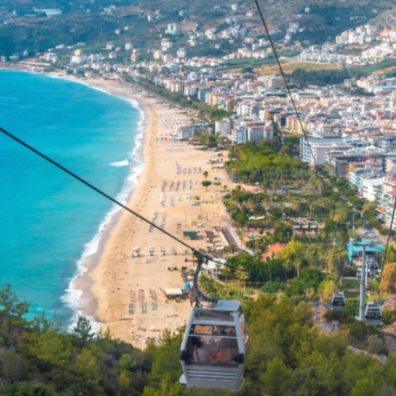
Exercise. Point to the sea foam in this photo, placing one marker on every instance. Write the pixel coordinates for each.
(119, 164)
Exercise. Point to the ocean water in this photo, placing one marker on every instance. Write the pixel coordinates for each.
(48, 221)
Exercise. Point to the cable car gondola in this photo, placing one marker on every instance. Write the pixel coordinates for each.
(214, 345)
(338, 301)
(373, 314)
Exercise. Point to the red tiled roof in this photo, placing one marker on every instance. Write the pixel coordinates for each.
(273, 249)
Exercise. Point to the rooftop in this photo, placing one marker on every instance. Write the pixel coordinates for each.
(230, 305)
(273, 249)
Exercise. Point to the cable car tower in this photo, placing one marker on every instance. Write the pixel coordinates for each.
(215, 342)
(371, 313)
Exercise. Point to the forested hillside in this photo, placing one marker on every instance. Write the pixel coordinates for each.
(288, 356)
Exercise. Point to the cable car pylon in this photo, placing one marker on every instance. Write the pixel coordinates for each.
(371, 313)
(195, 290)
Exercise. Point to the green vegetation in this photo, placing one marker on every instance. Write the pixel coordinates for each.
(289, 190)
(89, 23)
(261, 163)
(205, 112)
(211, 113)
(391, 73)
(303, 78)
(37, 359)
(48, 33)
(326, 19)
(316, 75)
(388, 279)
(310, 212)
(208, 139)
(292, 272)
(303, 74)
(366, 70)
(292, 66)
(287, 356)
(208, 48)
(247, 64)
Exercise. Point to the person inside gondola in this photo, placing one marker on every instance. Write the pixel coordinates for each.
(199, 354)
(225, 347)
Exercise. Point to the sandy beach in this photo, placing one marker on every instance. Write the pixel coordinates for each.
(124, 287)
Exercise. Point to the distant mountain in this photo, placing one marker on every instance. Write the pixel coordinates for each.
(25, 27)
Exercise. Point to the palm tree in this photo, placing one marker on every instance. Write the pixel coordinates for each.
(243, 276)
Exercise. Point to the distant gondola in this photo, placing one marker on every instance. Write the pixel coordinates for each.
(338, 301)
(373, 314)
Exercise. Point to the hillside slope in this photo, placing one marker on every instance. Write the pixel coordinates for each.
(24, 28)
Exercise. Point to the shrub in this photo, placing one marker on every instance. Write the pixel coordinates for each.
(376, 345)
(351, 307)
(349, 272)
(272, 287)
(388, 317)
(341, 316)
(357, 331)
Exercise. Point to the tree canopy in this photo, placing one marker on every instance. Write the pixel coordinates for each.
(287, 356)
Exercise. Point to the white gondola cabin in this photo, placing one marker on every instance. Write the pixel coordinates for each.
(214, 346)
(338, 301)
(373, 314)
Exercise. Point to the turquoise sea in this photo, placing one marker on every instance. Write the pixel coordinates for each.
(47, 220)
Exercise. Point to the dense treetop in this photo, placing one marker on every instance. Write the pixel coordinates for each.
(287, 356)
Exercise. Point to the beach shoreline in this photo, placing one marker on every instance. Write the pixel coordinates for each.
(121, 287)
(97, 276)
(129, 288)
